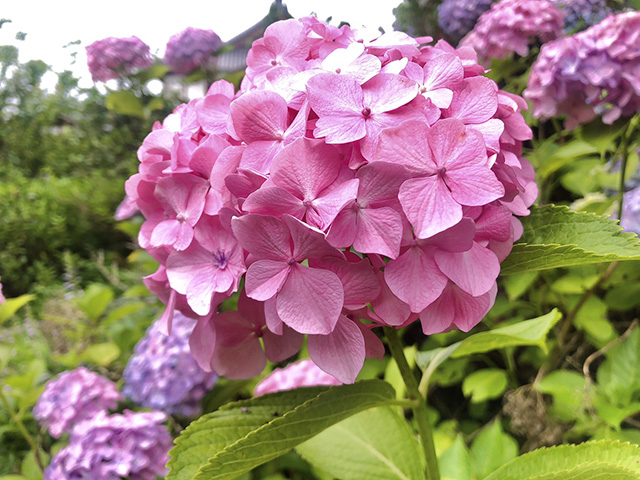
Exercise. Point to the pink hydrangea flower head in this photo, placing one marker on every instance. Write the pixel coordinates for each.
(511, 26)
(72, 397)
(589, 74)
(134, 445)
(356, 180)
(303, 373)
(190, 48)
(163, 375)
(113, 57)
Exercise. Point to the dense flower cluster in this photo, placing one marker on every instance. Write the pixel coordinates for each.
(108, 447)
(512, 26)
(458, 17)
(303, 373)
(112, 57)
(74, 396)
(357, 180)
(591, 73)
(190, 48)
(163, 375)
(580, 14)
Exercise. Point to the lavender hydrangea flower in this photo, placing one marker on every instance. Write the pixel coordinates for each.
(72, 397)
(591, 73)
(457, 17)
(581, 14)
(512, 26)
(304, 373)
(190, 48)
(630, 219)
(163, 375)
(107, 447)
(112, 57)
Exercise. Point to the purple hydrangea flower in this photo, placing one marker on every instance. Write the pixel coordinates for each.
(190, 48)
(581, 14)
(591, 73)
(304, 373)
(72, 397)
(112, 57)
(511, 26)
(163, 375)
(457, 17)
(631, 211)
(133, 445)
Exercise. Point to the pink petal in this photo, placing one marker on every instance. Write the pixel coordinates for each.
(379, 231)
(491, 131)
(474, 186)
(374, 348)
(343, 229)
(329, 203)
(443, 71)
(280, 347)
(474, 271)
(386, 92)
(259, 115)
(475, 100)
(263, 236)
(240, 362)
(429, 205)
(202, 343)
(389, 308)
(166, 233)
(458, 238)
(202, 287)
(310, 300)
(340, 353)
(308, 242)
(406, 145)
(380, 183)
(358, 279)
(274, 201)
(415, 278)
(264, 278)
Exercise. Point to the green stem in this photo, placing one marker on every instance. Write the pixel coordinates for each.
(419, 407)
(23, 430)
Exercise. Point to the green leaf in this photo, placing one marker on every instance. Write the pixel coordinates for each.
(516, 285)
(565, 155)
(619, 375)
(603, 459)
(567, 390)
(101, 353)
(123, 311)
(557, 237)
(12, 305)
(95, 300)
(455, 463)
(243, 435)
(491, 449)
(376, 443)
(485, 384)
(124, 102)
(623, 297)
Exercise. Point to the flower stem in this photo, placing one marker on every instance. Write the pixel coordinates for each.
(419, 408)
(23, 430)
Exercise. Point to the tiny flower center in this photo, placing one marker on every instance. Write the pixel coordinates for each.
(221, 257)
(441, 171)
(423, 89)
(291, 261)
(338, 70)
(274, 63)
(366, 111)
(181, 217)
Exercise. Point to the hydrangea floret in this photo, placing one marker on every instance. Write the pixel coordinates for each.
(581, 14)
(72, 397)
(512, 26)
(191, 48)
(456, 18)
(630, 218)
(589, 74)
(113, 57)
(163, 375)
(133, 445)
(303, 373)
(357, 180)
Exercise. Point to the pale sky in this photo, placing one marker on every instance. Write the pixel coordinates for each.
(51, 24)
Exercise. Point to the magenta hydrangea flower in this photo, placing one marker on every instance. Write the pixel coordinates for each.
(512, 26)
(163, 375)
(303, 373)
(456, 18)
(190, 48)
(112, 57)
(74, 396)
(356, 180)
(133, 446)
(592, 73)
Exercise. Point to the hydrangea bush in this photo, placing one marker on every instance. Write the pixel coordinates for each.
(132, 445)
(458, 17)
(580, 14)
(113, 57)
(162, 374)
(72, 397)
(351, 169)
(592, 73)
(191, 48)
(513, 26)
